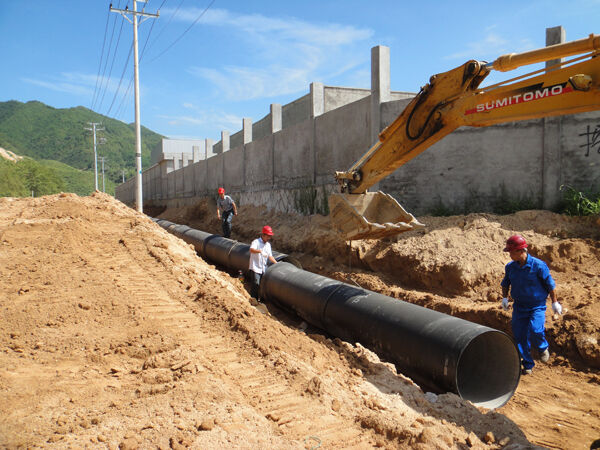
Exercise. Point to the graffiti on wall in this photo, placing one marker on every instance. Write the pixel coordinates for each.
(593, 140)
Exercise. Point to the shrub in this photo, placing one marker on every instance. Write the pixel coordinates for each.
(577, 203)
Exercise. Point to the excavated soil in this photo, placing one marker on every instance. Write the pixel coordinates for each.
(115, 334)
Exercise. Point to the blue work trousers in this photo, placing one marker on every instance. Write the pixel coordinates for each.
(529, 330)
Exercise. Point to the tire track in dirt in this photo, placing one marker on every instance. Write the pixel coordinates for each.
(281, 402)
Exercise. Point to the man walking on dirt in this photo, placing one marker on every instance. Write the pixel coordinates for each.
(226, 209)
(530, 284)
(260, 252)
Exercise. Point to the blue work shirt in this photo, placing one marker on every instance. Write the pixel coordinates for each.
(529, 284)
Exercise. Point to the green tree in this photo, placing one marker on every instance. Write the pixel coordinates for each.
(11, 183)
(38, 179)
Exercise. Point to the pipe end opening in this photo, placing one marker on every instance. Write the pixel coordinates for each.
(489, 370)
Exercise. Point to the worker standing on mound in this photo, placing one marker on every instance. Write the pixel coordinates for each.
(530, 284)
(226, 209)
(260, 253)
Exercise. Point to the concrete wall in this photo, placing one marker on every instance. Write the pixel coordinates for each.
(262, 128)
(258, 170)
(237, 139)
(300, 145)
(472, 166)
(173, 149)
(341, 137)
(296, 111)
(578, 157)
(294, 156)
(233, 169)
(336, 97)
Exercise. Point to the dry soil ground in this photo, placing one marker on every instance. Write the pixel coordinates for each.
(113, 333)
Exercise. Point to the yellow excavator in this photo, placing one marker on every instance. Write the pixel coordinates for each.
(453, 99)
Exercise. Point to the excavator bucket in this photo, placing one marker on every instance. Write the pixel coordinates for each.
(371, 215)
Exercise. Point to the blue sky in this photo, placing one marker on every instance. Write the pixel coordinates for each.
(207, 64)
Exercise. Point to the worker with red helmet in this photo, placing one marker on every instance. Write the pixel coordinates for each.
(226, 209)
(530, 283)
(260, 254)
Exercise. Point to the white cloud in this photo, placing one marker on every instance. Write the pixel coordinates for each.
(289, 53)
(491, 46)
(82, 85)
(71, 83)
(247, 83)
(214, 119)
(331, 34)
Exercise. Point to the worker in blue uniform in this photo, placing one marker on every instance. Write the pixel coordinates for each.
(530, 283)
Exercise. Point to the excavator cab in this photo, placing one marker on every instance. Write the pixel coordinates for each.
(453, 99)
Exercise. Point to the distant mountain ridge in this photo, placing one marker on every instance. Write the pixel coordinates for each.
(45, 133)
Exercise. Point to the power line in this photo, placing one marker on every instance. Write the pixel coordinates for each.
(150, 32)
(169, 21)
(119, 108)
(112, 64)
(120, 81)
(118, 111)
(101, 56)
(112, 35)
(183, 34)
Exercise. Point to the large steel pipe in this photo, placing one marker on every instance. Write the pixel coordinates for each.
(219, 250)
(440, 352)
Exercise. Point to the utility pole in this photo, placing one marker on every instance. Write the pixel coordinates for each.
(94, 129)
(123, 175)
(138, 131)
(102, 159)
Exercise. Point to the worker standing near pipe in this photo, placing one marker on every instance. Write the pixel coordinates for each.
(226, 209)
(530, 284)
(260, 253)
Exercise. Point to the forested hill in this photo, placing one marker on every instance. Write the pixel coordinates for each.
(41, 132)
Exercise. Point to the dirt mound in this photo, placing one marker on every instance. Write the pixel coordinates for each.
(455, 266)
(114, 333)
(459, 255)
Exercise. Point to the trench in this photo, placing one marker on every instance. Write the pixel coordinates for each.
(440, 352)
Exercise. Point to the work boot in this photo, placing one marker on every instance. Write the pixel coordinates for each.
(526, 371)
(545, 356)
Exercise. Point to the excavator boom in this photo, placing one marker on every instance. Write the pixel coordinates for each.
(453, 99)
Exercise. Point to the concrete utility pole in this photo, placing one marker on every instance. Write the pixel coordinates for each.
(94, 129)
(138, 131)
(102, 159)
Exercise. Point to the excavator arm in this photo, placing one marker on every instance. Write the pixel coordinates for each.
(453, 99)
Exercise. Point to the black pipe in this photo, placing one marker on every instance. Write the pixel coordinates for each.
(438, 351)
(197, 239)
(217, 249)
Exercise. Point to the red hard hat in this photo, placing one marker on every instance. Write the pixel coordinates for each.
(267, 230)
(221, 190)
(515, 242)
